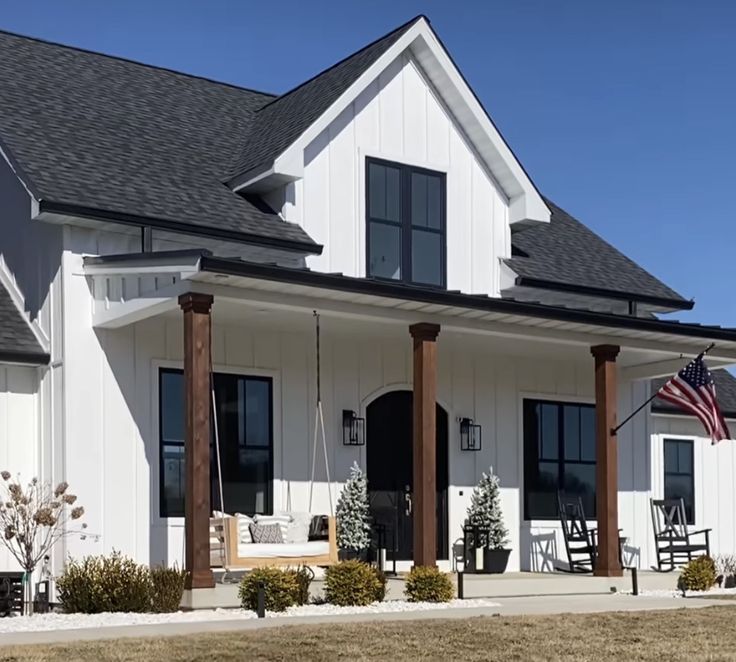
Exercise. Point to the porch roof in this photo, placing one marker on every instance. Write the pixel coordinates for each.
(288, 287)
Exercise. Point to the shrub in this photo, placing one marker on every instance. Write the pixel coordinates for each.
(304, 577)
(698, 575)
(281, 588)
(167, 588)
(353, 583)
(104, 583)
(428, 584)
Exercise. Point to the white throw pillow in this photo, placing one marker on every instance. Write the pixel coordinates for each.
(283, 520)
(298, 529)
(244, 522)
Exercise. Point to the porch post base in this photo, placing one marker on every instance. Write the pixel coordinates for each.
(608, 572)
(199, 579)
(204, 598)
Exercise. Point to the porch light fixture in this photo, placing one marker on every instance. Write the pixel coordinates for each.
(353, 429)
(470, 435)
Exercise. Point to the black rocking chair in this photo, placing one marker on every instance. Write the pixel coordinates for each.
(580, 542)
(674, 543)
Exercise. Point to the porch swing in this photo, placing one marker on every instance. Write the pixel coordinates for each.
(226, 535)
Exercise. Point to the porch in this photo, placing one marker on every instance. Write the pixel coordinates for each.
(475, 357)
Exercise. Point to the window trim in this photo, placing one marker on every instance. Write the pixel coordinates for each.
(691, 443)
(155, 475)
(405, 224)
(560, 400)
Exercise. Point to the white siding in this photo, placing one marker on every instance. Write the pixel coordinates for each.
(20, 451)
(398, 118)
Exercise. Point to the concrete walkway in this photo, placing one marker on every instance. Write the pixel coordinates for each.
(560, 604)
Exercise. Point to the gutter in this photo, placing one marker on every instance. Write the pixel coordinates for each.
(24, 358)
(678, 304)
(456, 299)
(210, 232)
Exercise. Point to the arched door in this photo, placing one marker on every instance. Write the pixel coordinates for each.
(389, 423)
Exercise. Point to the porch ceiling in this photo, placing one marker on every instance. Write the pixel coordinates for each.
(279, 295)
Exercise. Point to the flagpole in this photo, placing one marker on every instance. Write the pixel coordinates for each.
(655, 394)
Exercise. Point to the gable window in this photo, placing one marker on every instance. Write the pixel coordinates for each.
(679, 476)
(244, 425)
(559, 456)
(405, 223)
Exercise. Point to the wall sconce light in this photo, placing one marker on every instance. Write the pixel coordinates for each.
(470, 435)
(353, 429)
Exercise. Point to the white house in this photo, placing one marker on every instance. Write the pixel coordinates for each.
(157, 226)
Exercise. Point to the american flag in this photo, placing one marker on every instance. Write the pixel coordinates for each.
(693, 390)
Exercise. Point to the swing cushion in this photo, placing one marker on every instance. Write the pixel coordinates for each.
(244, 522)
(266, 533)
(298, 529)
(283, 520)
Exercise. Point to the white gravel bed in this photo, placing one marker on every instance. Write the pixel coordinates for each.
(45, 622)
(673, 593)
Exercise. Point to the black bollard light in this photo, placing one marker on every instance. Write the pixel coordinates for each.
(261, 611)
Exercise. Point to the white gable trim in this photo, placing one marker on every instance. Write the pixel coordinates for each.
(8, 282)
(526, 204)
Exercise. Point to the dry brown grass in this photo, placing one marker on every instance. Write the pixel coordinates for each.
(684, 634)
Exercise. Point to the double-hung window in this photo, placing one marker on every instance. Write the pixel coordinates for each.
(559, 456)
(406, 223)
(679, 481)
(245, 431)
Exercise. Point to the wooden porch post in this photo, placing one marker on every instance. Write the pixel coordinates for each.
(607, 559)
(196, 308)
(425, 442)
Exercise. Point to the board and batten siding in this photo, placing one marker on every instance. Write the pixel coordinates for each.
(20, 447)
(399, 118)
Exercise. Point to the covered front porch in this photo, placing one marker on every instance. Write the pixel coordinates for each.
(458, 356)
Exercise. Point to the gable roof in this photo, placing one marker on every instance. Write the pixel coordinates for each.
(567, 255)
(91, 133)
(280, 122)
(18, 343)
(725, 391)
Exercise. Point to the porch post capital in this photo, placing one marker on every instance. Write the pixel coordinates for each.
(424, 331)
(196, 302)
(605, 352)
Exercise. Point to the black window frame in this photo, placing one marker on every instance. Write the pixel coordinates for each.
(214, 485)
(678, 442)
(405, 222)
(529, 462)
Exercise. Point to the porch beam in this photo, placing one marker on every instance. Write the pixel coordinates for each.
(424, 443)
(197, 366)
(607, 562)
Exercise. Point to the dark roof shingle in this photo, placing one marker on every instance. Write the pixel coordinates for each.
(18, 344)
(566, 252)
(280, 122)
(105, 133)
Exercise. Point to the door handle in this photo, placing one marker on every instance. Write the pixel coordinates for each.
(407, 499)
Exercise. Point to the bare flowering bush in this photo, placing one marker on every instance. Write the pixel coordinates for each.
(35, 517)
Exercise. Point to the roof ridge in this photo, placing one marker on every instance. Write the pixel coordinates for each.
(128, 60)
(403, 26)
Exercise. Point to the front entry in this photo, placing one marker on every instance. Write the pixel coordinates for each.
(389, 468)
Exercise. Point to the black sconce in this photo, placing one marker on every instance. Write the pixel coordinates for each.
(353, 429)
(470, 435)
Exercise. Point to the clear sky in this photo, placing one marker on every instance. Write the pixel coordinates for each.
(623, 112)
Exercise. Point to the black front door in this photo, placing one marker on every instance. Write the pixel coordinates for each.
(390, 473)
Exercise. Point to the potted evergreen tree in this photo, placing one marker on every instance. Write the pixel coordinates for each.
(353, 517)
(485, 513)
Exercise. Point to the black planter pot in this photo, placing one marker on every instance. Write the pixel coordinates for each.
(353, 555)
(495, 560)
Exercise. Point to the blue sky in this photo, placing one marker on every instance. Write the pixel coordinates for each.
(622, 112)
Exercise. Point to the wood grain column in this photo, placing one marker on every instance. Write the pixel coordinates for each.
(607, 559)
(197, 340)
(425, 443)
